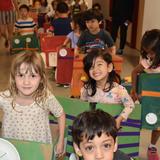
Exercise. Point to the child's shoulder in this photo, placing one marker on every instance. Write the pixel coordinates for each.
(26, 20)
(5, 94)
(121, 156)
(117, 86)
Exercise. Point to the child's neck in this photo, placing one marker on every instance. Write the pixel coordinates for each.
(24, 18)
(63, 15)
(24, 100)
(77, 31)
(102, 85)
(95, 32)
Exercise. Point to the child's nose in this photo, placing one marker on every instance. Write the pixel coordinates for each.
(99, 154)
(26, 80)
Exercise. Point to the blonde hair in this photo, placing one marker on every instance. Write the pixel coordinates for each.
(35, 61)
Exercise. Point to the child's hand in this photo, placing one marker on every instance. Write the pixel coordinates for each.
(134, 95)
(59, 149)
(118, 121)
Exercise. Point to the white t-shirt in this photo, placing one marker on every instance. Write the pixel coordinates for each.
(28, 122)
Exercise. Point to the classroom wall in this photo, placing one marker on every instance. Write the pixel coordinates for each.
(105, 6)
(148, 17)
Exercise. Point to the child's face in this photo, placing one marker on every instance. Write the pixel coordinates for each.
(37, 4)
(72, 25)
(27, 80)
(150, 53)
(100, 70)
(24, 13)
(100, 148)
(93, 25)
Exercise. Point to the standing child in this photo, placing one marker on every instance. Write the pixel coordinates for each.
(95, 136)
(28, 101)
(150, 63)
(61, 24)
(76, 25)
(25, 25)
(94, 36)
(101, 86)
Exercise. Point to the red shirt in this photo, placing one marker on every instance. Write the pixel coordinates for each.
(6, 5)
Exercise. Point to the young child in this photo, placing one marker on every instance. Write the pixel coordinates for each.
(25, 24)
(95, 136)
(77, 27)
(149, 63)
(94, 37)
(78, 6)
(28, 101)
(102, 86)
(61, 24)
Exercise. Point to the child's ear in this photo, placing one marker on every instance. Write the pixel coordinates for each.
(77, 150)
(116, 145)
(110, 67)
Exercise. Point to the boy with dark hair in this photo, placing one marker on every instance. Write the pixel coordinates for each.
(61, 24)
(95, 136)
(94, 36)
(25, 25)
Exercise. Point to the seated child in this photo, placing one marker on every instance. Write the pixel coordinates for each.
(102, 85)
(95, 136)
(25, 24)
(94, 36)
(61, 24)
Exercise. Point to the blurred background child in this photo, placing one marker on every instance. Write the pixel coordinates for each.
(25, 25)
(77, 27)
(61, 24)
(94, 36)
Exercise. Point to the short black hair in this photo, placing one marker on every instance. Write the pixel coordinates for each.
(91, 123)
(93, 14)
(24, 6)
(62, 7)
(79, 19)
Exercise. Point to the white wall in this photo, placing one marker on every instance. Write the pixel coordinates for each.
(148, 18)
(151, 17)
(105, 6)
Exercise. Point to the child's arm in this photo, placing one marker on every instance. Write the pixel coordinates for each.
(60, 143)
(112, 50)
(139, 68)
(16, 6)
(67, 40)
(128, 104)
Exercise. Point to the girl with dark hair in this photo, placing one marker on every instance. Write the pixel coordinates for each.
(102, 83)
(150, 63)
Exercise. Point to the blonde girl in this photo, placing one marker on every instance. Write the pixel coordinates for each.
(28, 101)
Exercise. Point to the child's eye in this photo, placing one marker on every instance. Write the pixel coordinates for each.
(107, 146)
(99, 64)
(20, 75)
(89, 148)
(33, 75)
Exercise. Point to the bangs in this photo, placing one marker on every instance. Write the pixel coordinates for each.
(29, 67)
